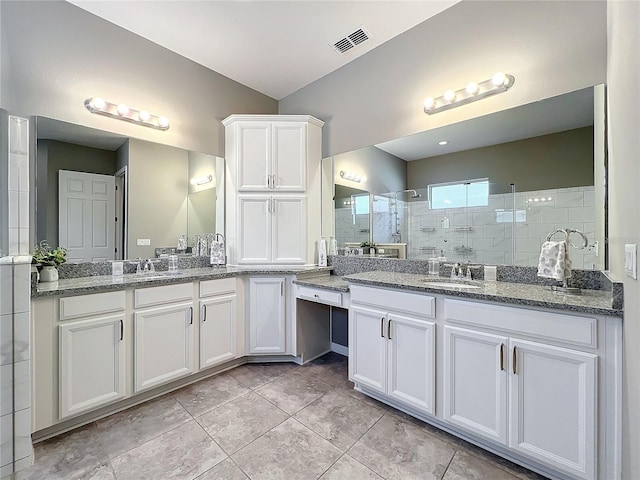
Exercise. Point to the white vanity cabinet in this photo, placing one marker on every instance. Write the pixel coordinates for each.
(267, 315)
(273, 188)
(218, 322)
(91, 352)
(392, 345)
(273, 229)
(163, 334)
(537, 396)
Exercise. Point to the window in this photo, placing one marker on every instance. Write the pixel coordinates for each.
(360, 204)
(472, 193)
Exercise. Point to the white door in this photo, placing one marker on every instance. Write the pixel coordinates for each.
(553, 407)
(86, 209)
(411, 364)
(289, 230)
(91, 364)
(254, 156)
(267, 315)
(368, 347)
(254, 229)
(217, 330)
(162, 347)
(289, 153)
(475, 382)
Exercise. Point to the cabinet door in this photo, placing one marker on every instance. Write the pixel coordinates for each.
(267, 315)
(217, 330)
(368, 347)
(289, 156)
(254, 230)
(411, 364)
(553, 407)
(475, 382)
(289, 230)
(91, 364)
(254, 156)
(162, 348)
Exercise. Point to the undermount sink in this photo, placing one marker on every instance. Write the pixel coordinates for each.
(450, 283)
(157, 275)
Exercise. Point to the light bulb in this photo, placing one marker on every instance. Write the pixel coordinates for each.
(144, 116)
(163, 122)
(450, 96)
(122, 109)
(498, 79)
(429, 103)
(472, 88)
(98, 103)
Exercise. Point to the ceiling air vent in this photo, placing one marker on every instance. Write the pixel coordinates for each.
(351, 40)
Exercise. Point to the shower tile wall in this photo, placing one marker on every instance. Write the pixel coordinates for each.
(485, 234)
(351, 228)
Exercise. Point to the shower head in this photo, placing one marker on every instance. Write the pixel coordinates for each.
(414, 194)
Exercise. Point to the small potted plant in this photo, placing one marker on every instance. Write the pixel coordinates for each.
(49, 259)
(368, 248)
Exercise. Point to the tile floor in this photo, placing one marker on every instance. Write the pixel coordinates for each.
(277, 421)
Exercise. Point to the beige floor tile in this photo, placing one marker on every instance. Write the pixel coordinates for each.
(210, 393)
(182, 453)
(349, 468)
(132, 427)
(71, 456)
(339, 418)
(293, 392)
(225, 470)
(467, 467)
(239, 422)
(401, 450)
(289, 451)
(254, 375)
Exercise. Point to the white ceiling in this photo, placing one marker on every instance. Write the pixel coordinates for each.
(274, 47)
(556, 114)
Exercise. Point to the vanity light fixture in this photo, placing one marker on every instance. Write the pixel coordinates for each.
(202, 180)
(354, 177)
(500, 82)
(123, 112)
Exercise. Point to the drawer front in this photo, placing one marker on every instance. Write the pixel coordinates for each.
(144, 297)
(95, 304)
(222, 286)
(397, 300)
(572, 329)
(320, 295)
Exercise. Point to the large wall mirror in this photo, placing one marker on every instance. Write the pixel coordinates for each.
(105, 196)
(487, 190)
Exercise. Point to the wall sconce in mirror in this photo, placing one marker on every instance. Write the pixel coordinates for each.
(202, 180)
(500, 82)
(354, 177)
(121, 111)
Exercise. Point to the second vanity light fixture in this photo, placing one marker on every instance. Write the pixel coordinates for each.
(354, 177)
(123, 112)
(500, 82)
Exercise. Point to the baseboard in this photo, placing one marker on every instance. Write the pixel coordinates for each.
(341, 349)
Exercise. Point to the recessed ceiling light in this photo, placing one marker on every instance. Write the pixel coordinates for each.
(443, 142)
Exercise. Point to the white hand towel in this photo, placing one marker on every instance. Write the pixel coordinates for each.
(554, 261)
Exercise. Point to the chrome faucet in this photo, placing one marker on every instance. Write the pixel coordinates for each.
(455, 270)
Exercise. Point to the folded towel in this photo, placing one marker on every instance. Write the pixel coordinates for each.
(554, 261)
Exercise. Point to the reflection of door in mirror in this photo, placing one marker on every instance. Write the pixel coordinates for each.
(351, 215)
(86, 207)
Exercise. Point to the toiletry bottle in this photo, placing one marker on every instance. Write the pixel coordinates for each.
(322, 253)
(442, 257)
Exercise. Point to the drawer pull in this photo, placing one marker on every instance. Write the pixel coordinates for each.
(502, 357)
(190, 315)
(382, 327)
(204, 313)
(121, 330)
(389, 329)
(515, 361)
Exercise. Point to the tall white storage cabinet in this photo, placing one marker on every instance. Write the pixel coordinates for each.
(273, 183)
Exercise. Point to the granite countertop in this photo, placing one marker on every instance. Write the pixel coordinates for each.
(327, 282)
(105, 283)
(591, 301)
